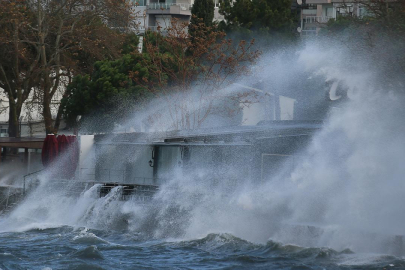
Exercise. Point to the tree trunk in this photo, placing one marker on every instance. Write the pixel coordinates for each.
(13, 127)
(47, 113)
(58, 119)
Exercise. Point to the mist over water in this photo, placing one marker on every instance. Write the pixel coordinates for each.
(349, 181)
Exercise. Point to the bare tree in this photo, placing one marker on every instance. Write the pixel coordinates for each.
(47, 42)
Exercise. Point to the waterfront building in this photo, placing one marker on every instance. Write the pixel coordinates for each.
(230, 153)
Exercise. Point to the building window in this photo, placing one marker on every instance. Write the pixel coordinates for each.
(344, 10)
(362, 11)
(140, 3)
(329, 12)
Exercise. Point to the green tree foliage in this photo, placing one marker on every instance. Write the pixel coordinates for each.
(108, 94)
(269, 22)
(201, 12)
(130, 43)
(115, 88)
(157, 39)
(271, 15)
(186, 75)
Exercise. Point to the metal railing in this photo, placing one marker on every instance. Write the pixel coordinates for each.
(183, 6)
(308, 33)
(130, 191)
(140, 188)
(316, 19)
(104, 175)
(112, 176)
(10, 200)
(27, 177)
(158, 6)
(4, 204)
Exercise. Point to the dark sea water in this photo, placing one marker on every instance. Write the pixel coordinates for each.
(80, 248)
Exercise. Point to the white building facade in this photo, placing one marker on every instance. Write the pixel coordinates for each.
(156, 15)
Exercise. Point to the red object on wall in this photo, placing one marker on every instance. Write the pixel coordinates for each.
(63, 144)
(49, 150)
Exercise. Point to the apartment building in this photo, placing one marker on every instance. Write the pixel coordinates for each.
(157, 14)
(316, 13)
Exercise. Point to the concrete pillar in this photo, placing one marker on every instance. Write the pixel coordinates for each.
(4, 152)
(26, 161)
(319, 10)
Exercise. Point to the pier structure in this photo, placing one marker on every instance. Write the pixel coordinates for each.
(20, 143)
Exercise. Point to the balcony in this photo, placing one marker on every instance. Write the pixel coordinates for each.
(319, 1)
(169, 8)
(316, 19)
(310, 25)
(164, 30)
(158, 6)
(308, 33)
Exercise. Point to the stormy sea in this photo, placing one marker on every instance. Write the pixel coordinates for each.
(67, 247)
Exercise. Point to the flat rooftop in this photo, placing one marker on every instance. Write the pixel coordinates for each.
(232, 134)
